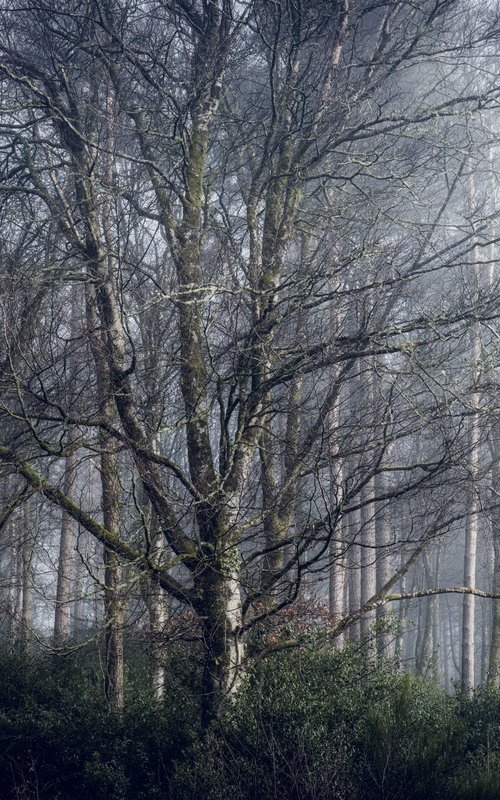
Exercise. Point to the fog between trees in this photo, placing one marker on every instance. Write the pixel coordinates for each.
(249, 331)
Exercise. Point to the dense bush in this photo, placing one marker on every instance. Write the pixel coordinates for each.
(307, 725)
(478, 777)
(412, 742)
(57, 740)
(316, 726)
(290, 734)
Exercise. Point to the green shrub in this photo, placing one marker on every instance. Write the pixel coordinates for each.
(479, 776)
(58, 741)
(412, 742)
(292, 734)
(310, 724)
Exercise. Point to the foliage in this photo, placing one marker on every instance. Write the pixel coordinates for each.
(313, 725)
(58, 741)
(309, 724)
(479, 776)
(412, 741)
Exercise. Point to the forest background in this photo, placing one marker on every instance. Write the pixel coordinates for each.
(249, 435)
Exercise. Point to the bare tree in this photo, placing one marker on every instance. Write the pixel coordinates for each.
(184, 156)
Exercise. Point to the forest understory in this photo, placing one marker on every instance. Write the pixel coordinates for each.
(249, 399)
(313, 724)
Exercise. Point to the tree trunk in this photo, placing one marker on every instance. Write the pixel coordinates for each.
(12, 627)
(157, 607)
(368, 557)
(113, 602)
(383, 539)
(156, 601)
(402, 638)
(354, 572)
(494, 658)
(337, 577)
(424, 638)
(62, 618)
(436, 612)
(220, 612)
(27, 580)
(445, 655)
(472, 509)
(81, 612)
(368, 536)
(113, 620)
(470, 556)
(110, 504)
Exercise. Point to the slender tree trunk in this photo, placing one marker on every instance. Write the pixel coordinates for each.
(485, 641)
(436, 611)
(62, 618)
(113, 617)
(81, 612)
(156, 601)
(12, 628)
(355, 556)
(354, 560)
(368, 535)
(385, 639)
(445, 655)
(424, 638)
(368, 556)
(337, 577)
(472, 518)
(470, 556)
(494, 657)
(27, 580)
(154, 596)
(110, 503)
(402, 613)
(157, 606)
(113, 601)
(106, 334)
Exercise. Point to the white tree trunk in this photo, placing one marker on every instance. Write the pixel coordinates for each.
(471, 538)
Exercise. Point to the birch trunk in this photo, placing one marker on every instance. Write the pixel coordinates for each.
(472, 508)
(471, 538)
(424, 637)
(81, 611)
(337, 578)
(156, 601)
(224, 650)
